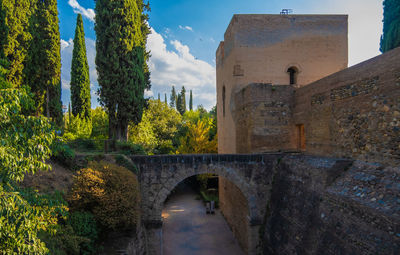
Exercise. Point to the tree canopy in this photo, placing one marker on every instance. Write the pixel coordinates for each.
(121, 28)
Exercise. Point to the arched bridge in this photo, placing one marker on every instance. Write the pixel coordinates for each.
(251, 174)
(295, 203)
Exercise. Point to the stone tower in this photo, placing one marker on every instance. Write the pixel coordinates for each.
(289, 50)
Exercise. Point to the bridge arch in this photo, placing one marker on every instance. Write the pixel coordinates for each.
(159, 175)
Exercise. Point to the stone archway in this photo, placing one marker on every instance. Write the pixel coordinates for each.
(159, 175)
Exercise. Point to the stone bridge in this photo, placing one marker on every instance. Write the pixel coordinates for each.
(297, 204)
(252, 174)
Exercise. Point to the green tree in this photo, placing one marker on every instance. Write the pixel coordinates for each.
(183, 98)
(391, 25)
(99, 123)
(173, 98)
(165, 99)
(80, 81)
(191, 101)
(24, 147)
(43, 67)
(159, 125)
(159, 98)
(14, 36)
(179, 107)
(122, 29)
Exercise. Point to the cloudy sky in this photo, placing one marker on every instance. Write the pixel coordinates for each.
(186, 33)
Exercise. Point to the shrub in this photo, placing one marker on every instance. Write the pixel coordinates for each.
(84, 225)
(109, 192)
(130, 148)
(62, 153)
(122, 161)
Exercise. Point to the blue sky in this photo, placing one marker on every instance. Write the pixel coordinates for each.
(186, 34)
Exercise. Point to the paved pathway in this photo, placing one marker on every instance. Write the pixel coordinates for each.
(188, 230)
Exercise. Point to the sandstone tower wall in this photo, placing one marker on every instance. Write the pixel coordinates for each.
(263, 48)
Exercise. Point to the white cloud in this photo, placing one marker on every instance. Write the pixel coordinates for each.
(179, 67)
(88, 13)
(148, 93)
(186, 28)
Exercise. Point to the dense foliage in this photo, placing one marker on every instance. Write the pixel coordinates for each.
(391, 25)
(43, 67)
(173, 98)
(24, 147)
(191, 101)
(110, 193)
(157, 129)
(14, 37)
(80, 82)
(122, 29)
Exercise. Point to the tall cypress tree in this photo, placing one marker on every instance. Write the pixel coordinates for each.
(165, 99)
(179, 105)
(173, 98)
(14, 37)
(43, 67)
(121, 29)
(159, 98)
(191, 101)
(391, 25)
(183, 98)
(80, 82)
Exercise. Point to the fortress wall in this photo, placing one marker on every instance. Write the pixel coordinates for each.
(261, 48)
(354, 113)
(233, 205)
(264, 120)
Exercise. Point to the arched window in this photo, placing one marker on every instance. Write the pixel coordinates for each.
(223, 100)
(292, 74)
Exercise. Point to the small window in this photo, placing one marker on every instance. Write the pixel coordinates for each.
(301, 138)
(223, 100)
(292, 71)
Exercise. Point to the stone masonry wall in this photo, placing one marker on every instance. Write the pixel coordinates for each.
(264, 120)
(354, 113)
(233, 206)
(326, 206)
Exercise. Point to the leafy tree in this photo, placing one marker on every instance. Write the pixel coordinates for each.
(24, 147)
(43, 68)
(191, 101)
(159, 125)
(77, 127)
(391, 25)
(99, 123)
(122, 29)
(80, 82)
(197, 139)
(173, 98)
(14, 37)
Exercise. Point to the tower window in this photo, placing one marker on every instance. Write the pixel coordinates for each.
(292, 75)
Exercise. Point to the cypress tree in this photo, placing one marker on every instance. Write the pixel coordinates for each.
(121, 29)
(165, 99)
(80, 82)
(391, 25)
(43, 67)
(14, 37)
(173, 98)
(183, 98)
(191, 101)
(179, 104)
(159, 99)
